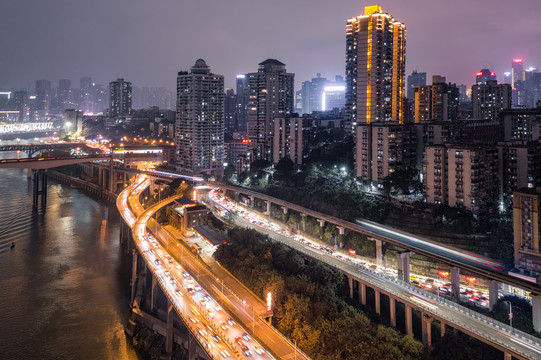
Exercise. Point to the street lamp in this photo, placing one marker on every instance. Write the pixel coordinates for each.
(68, 124)
(510, 313)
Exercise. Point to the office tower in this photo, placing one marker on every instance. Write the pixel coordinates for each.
(64, 94)
(490, 99)
(230, 118)
(43, 96)
(531, 86)
(271, 92)
(100, 98)
(312, 94)
(507, 77)
(522, 124)
(375, 68)
(20, 104)
(526, 226)
(516, 71)
(438, 101)
(120, 98)
(242, 85)
(86, 103)
(199, 127)
(481, 77)
(334, 96)
(521, 165)
(242, 104)
(414, 80)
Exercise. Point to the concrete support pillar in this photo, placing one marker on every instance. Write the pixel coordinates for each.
(377, 301)
(362, 293)
(427, 330)
(303, 222)
(455, 283)
(169, 333)
(379, 252)
(409, 320)
(252, 201)
(493, 286)
(268, 207)
(341, 230)
(133, 276)
(154, 294)
(442, 331)
(507, 356)
(403, 261)
(91, 170)
(111, 175)
(29, 173)
(192, 354)
(536, 312)
(392, 311)
(321, 222)
(350, 282)
(284, 209)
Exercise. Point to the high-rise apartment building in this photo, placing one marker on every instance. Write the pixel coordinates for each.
(526, 225)
(462, 175)
(271, 94)
(375, 68)
(438, 101)
(288, 140)
(200, 121)
(490, 99)
(43, 95)
(522, 124)
(120, 98)
(64, 100)
(481, 77)
(516, 71)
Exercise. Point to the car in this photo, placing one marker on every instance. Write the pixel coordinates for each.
(246, 337)
(230, 321)
(170, 260)
(178, 267)
(239, 341)
(212, 315)
(245, 350)
(215, 337)
(197, 288)
(258, 350)
(202, 331)
(224, 326)
(172, 280)
(185, 274)
(191, 291)
(194, 320)
(223, 352)
(208, 298)
(202, 301)
(178, 292)
(157, 262)
(217, 307)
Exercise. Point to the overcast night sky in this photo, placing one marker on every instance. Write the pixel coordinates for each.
(148, 42)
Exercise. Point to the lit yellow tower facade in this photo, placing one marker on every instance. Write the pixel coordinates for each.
(375, 68)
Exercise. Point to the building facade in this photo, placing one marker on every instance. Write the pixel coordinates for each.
(288, 140)
(199, 126)
(375, 69)
(120, 98)
(490, 99)
(526, 221)
(438, 101)
(271, 94)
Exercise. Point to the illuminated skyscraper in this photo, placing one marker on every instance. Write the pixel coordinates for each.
(200, 120)
(484, 75)
(375, 68)
(120, 96)
(516, 72)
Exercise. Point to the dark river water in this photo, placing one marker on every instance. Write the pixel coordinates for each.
(64, 287)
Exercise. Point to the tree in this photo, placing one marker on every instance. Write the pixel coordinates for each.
(229, 171)
(284, 170)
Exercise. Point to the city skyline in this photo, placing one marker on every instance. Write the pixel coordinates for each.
(101, 40)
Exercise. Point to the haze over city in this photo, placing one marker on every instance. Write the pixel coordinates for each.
(149, 42)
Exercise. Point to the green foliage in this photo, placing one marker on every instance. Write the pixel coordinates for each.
(284, 170)
(403, 182)
(310, 302)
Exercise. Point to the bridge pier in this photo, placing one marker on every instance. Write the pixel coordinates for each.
(427, 330)
(409, 320)
(536, 311)
(350, 282)
(192, 352)
(493, 286)
(39, 182)
(442, 329)
(154, 294)
(169, 332)
(377, 301)
(362, 293)
(133, 276)
(268, 207)
(252, 201)
(403, 262)
(392, 311)
(303, 222)
(455, 283)
(341, 230)
(379, 252)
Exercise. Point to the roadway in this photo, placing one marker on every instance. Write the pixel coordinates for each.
(207, 280)
(486, 329)
(442, 253)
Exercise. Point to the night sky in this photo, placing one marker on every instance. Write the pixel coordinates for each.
(148, 41)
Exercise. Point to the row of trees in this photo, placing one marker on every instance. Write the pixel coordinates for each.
(310, 302)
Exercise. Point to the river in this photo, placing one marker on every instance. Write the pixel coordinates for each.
(64, 287)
